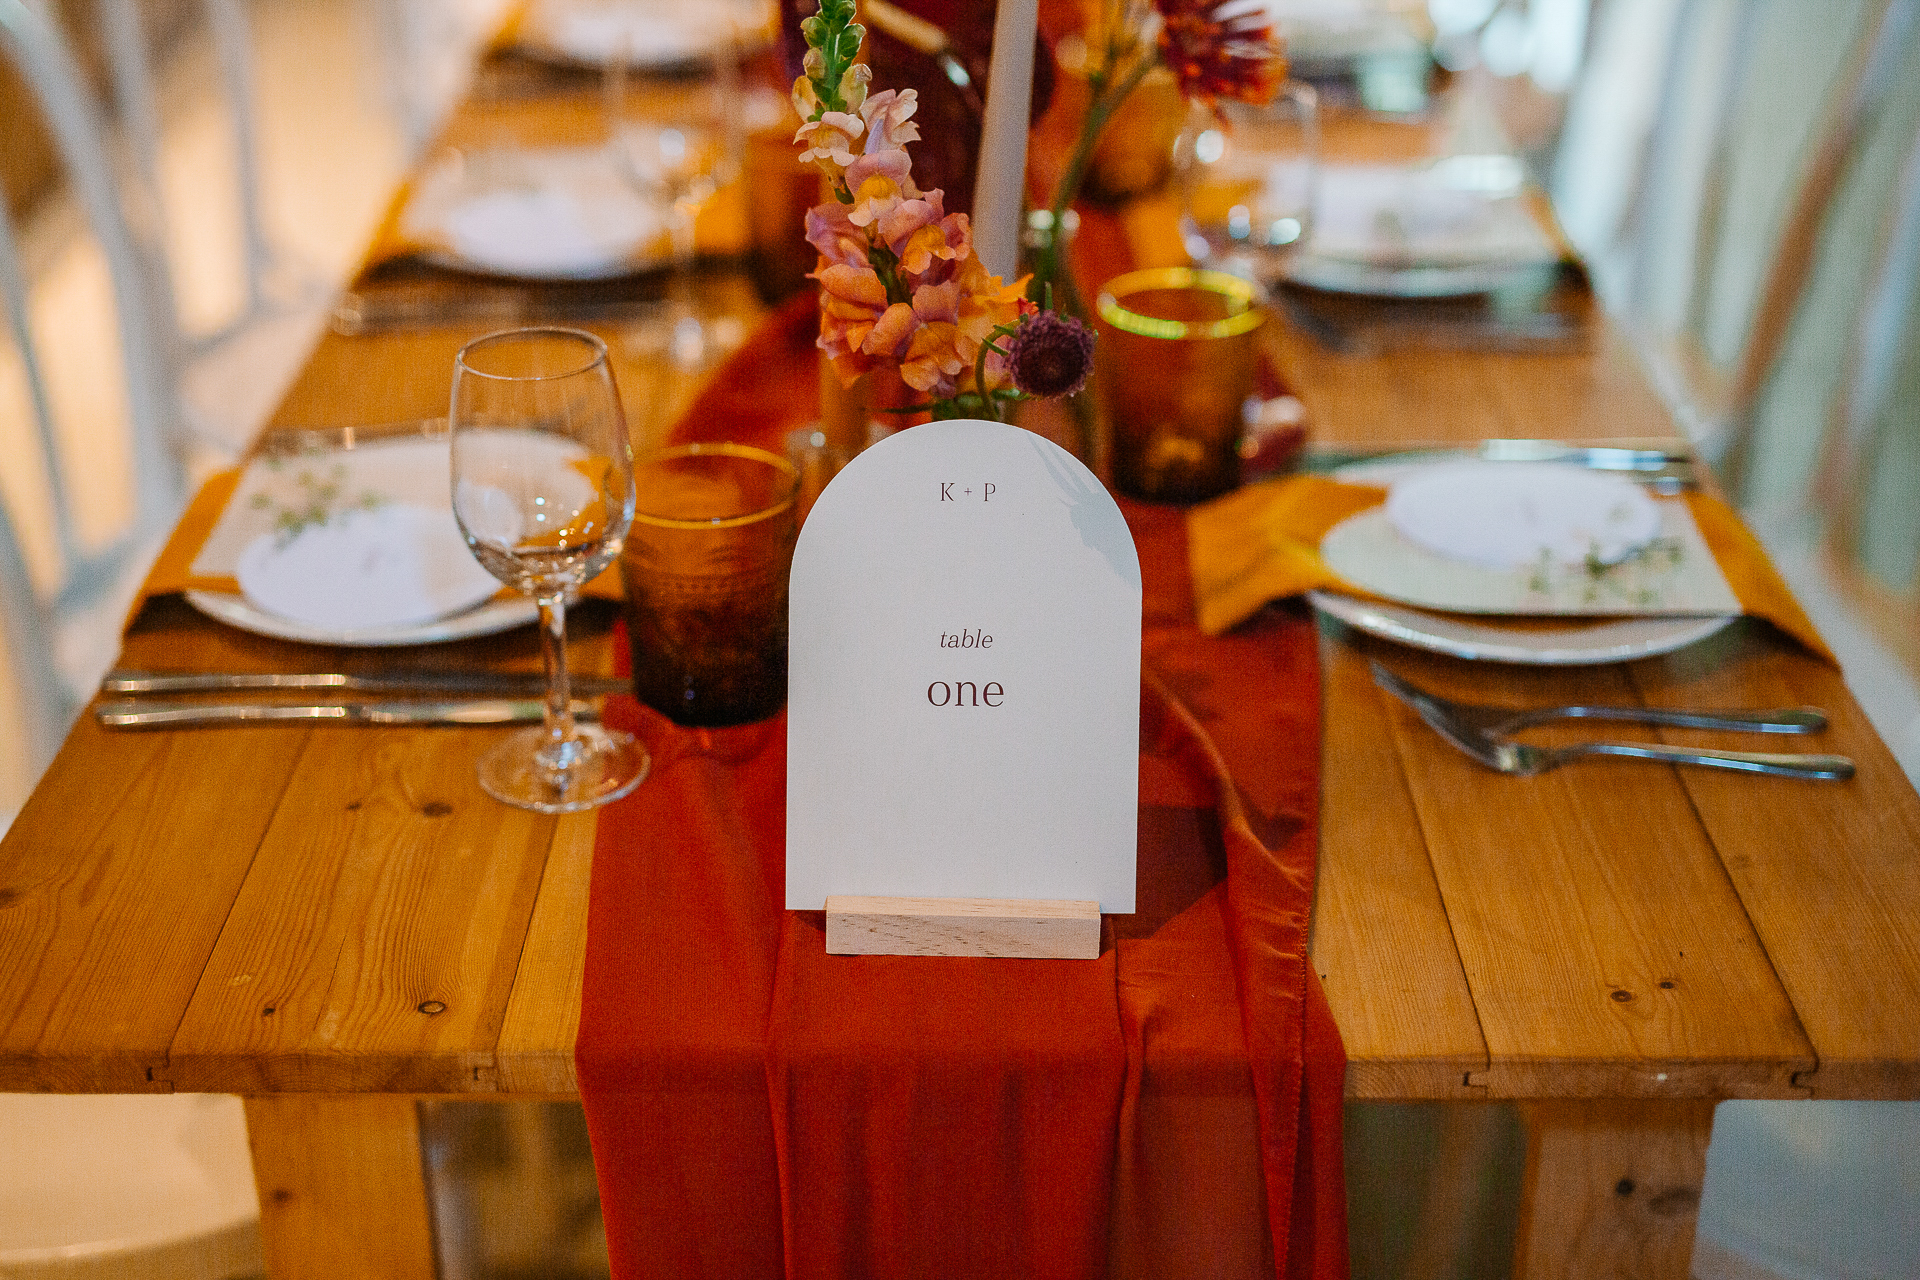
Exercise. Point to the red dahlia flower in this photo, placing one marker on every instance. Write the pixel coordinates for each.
(1221, 50)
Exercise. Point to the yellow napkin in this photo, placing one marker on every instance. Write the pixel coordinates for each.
(172, 570)
(1262, 543)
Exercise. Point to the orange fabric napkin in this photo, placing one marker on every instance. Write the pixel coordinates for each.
(1262, 543)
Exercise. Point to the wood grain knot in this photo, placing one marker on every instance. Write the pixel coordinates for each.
(1622, 996)
(436, 808)
(8, 897)
(1675, 1202)
(1624, 1187)
(280, 1195)
(267, 1012)
(432, 1007)
(1666, 986)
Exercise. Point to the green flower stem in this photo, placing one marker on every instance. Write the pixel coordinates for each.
(990, 402)
(1099, 112)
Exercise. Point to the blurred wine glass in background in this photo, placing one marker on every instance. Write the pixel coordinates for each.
(1249, 180)
(680, 158)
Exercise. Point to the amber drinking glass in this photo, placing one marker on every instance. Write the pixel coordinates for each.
(1175, 364)
(706, 574)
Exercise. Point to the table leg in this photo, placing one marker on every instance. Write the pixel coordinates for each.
(342, 1191)
(1612, 1188)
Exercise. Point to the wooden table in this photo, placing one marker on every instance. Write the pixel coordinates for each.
(335, 922)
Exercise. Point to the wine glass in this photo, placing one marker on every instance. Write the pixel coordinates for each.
(680, 160)
(543, 491)
(1250, 177)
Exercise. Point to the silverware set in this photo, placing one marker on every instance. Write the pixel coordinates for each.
(141, 698)
(1482, 734)
(152, 700)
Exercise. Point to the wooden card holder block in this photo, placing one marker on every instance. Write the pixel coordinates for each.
(1025, 927)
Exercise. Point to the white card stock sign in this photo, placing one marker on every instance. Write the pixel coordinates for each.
(964, 677)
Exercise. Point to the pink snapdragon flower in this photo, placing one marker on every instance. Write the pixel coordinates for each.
(899, 284)
(919, 231)
(888, 116)
(833, 234)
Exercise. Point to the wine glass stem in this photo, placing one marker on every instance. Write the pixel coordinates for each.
(563, 739)
(686, 214)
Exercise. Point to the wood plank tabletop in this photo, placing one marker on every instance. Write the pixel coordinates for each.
(330, 910)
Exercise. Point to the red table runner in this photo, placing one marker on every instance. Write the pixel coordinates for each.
(759, 1108)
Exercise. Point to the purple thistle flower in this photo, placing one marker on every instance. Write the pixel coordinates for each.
(1050, 355)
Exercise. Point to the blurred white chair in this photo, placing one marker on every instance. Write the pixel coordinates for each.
(427, 48)
(138, 1187)
(1811, 1191)
(1697, 193)
(85, 580)
(1833, 482)
(1601, 157)
(229, 376)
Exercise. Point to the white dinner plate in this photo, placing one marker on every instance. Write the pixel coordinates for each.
(1372, 279)
(394, 565)
(534, 213)
(483, 620)
(1537, 641)
(586, 33)
(1448, 229)
(1573, 645)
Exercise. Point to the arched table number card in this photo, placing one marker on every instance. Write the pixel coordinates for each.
(964, 700)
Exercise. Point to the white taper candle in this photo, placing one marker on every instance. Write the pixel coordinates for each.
(1001, 178)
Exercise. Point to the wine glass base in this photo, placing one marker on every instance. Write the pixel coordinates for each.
(612, 764)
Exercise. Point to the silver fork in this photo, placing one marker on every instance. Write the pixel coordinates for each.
(1501, 721)
(1523, 760)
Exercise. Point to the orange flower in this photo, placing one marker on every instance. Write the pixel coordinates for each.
(852, 302)
(932, 362)
(891, 332)
(985, 305)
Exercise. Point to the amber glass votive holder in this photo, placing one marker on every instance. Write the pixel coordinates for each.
(1175, 363)
(705, 567)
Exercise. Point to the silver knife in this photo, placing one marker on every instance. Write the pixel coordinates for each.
(529, 684)
(1599, 457)
(186, 715)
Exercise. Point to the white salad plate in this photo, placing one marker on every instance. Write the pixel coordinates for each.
(352, 546)
(1681, 596)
